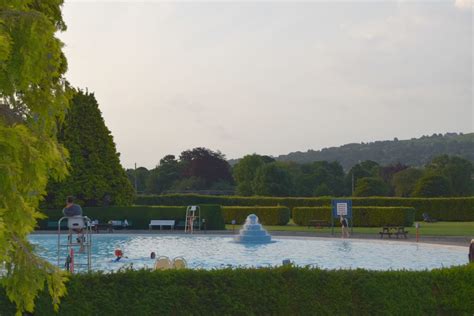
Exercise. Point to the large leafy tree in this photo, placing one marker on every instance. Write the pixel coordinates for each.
(96, 176)
(432, 185)
(404, 181)
(272, 179)
(202, 163)
(371, 186)
(244, 173)
(163, 176)
(139, 177)
(364, 169)
(457, 170)
(319, 178)
(33, 98)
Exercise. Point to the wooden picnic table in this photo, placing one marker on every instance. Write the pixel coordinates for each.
(393, 230)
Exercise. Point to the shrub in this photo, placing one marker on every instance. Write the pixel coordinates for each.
(140, 216)
(273, 215)
(446, 209)
(367, 216)
(265, 291)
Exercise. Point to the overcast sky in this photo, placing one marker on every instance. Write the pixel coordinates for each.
(271, 77)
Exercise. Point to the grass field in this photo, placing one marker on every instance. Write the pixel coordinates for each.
(426, 229)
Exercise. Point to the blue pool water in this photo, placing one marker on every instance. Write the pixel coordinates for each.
(210, 252)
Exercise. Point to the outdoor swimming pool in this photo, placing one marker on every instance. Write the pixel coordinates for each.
(210, 252)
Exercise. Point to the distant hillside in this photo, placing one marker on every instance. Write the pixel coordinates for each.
(413, 152)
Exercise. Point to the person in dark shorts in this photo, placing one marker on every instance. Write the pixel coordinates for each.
(73, 210)
(344, 226)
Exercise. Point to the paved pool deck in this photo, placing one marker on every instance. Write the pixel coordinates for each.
(442, 240)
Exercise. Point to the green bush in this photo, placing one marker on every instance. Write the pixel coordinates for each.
(271, 215)
(190, 199)
(265, 291)
(363, 216)
(140, 216)
(445, 209)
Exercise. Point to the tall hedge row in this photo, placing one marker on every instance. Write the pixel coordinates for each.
(266, 291)
(445, 209)
(362, 216)
(140, 216)
(272, 215)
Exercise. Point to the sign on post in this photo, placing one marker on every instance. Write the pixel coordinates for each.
(341, 208)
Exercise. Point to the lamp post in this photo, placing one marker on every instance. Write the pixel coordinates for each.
(352, 183)
(136, 186)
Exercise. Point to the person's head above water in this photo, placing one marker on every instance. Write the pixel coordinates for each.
(152, 255)
(118, 253)
(70, 200)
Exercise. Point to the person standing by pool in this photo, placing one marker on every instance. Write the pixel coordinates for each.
(344, 226)
(72, 210)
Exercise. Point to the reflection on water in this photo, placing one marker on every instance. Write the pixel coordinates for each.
(345, 246)
(210, 252)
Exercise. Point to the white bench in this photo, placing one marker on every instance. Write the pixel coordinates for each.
(156, 222)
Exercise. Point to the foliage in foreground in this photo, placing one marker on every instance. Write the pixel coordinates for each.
(275, 291)
(33, 98)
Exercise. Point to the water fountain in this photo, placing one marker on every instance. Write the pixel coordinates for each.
(253, 232)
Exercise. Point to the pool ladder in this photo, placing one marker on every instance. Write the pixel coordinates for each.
(69, 255)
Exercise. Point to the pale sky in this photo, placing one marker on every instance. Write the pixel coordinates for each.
(271, 77)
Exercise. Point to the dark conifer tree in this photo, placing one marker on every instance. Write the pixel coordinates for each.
(96, 176)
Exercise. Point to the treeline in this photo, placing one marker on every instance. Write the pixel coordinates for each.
(415, 152)
(203, 169)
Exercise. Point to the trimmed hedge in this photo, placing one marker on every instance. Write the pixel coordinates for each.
(362, 216)
(140, 216)
(445, 209)
(273, 215)
(265, 291)
(191, 199)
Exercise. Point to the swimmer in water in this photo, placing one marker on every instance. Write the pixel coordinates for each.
(118, 255)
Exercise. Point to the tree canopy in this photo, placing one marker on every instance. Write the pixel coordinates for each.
(244, 173)
(457, 170)
(196, 169)
(272, 179)
(371, 186)
(96, 177)
(415, 152)
(33, 98)
(432, 185)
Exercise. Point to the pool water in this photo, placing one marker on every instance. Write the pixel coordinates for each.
(209, 252)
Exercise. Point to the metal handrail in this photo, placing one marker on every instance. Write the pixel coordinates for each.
(87, 244)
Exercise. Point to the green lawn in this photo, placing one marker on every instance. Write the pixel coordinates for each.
(426, 229)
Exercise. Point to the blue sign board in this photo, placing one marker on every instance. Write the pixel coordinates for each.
(341, 208)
